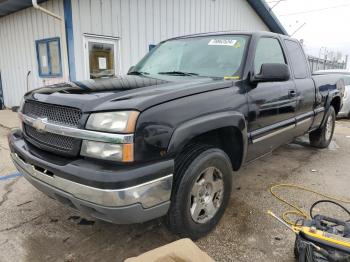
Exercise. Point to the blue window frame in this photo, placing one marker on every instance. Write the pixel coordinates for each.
(48, 53)
(151, 46)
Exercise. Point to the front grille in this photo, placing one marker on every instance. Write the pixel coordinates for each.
(54, 113)
(61, 115)
(52, 141)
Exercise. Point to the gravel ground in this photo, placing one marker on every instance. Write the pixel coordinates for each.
(36, 228)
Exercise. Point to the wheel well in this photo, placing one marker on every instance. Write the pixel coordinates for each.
(228, 139)
(336, 104)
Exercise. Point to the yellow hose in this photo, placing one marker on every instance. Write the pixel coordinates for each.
(297, 210)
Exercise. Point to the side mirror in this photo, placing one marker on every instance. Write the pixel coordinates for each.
(131, 69)
(272, 72)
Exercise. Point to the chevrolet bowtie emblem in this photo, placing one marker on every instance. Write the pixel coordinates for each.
(39, 124)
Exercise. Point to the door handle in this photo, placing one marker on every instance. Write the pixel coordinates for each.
(292, 93)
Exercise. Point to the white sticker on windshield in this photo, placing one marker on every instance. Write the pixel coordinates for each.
(227, 42)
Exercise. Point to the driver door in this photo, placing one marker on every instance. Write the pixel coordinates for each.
(271, 104)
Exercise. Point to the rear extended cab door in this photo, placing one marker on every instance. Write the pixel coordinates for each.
(305, 86)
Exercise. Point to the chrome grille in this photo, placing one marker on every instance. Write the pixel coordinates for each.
(54, 113)
(61, 115)
(55, 142)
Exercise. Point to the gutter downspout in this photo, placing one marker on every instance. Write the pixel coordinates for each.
(65, 67)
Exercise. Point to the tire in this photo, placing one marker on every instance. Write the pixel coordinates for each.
(321, 137)
(201, 192)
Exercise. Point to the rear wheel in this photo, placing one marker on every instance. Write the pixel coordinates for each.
(321, 137)
(201, 193)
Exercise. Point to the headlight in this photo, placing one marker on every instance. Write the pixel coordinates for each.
(108, 151)
(119, 122)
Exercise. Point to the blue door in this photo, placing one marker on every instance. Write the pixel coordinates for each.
(1, 95)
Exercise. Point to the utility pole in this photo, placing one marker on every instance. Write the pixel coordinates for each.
(319, 52)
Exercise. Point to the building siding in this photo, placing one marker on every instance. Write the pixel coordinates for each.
(18, 33)
(138, 23)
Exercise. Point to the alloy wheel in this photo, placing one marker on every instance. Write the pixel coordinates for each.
(329, 127)
(206, 195)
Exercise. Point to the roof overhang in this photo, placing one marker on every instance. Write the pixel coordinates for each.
(10, 6)
(265, 13)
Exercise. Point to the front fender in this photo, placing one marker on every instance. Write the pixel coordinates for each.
(192, 128)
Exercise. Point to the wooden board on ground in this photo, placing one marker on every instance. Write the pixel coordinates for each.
(178, 251)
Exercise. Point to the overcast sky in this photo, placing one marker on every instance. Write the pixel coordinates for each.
(327, 23)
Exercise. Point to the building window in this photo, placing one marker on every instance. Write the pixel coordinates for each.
(49, 57)
(102, 57)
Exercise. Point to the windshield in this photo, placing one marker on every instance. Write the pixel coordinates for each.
(212, 56)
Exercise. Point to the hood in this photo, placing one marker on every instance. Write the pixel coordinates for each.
(125, 92)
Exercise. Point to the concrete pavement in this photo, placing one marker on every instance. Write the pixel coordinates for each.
(36, 228)
(8, 119)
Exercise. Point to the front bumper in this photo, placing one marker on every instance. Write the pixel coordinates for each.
(345, 109)
(131, 204)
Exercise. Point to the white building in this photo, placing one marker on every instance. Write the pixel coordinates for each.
(104, 36)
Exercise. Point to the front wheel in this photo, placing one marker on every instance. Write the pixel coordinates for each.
(202, 192)
(321, 137)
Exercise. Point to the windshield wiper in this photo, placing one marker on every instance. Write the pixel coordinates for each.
(139, 73)
(178, 73)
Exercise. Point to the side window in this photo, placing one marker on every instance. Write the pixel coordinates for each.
(49, 57)
(297, 58)
(268, 50)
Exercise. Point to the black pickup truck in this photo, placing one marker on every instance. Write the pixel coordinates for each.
(164, 139)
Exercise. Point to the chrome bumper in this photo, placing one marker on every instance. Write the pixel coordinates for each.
(147, 194)
(345, 109)
(44, 125)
